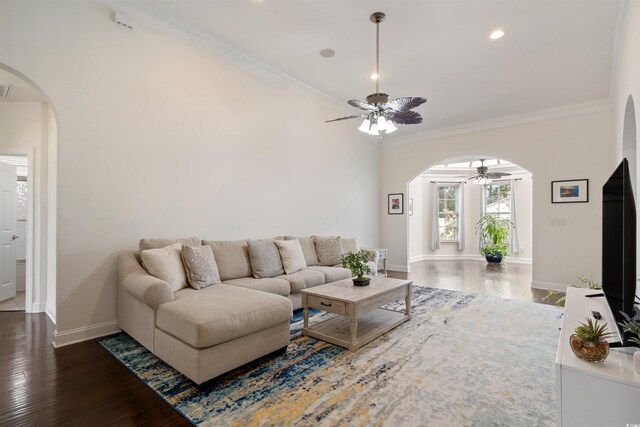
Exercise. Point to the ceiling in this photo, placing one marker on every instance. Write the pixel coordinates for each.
(554, 53)
(467, 166)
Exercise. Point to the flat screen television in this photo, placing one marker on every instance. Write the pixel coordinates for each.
(619, 246)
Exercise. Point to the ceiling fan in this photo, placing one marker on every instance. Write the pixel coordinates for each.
(381, 115)
(484, 176)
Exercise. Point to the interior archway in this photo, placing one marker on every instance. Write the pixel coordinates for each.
(629, 136)
(508, 196)
(26, 106)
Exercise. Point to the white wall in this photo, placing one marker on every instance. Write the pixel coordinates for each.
(22, 126)
(420, 222)
(628, 83)
(157, 137)
(555, 149)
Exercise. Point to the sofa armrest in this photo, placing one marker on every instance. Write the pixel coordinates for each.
(372, 254)
(143, 286)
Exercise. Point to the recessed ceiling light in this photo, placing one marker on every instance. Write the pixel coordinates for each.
(496, 34)
(327, 53)
(374, 76)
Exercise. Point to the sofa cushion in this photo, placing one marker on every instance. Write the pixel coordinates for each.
(145, 244)
(272, 285)
(232, 257)
(308, 249)
(328, 249)
(303, 279)
(200, 266)
(166, 264)
(291, 255)
(265, 258)
(333, 274)
(221, 313)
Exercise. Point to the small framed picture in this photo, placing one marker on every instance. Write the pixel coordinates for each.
(395, 204)
(570, 191)
(410, 207)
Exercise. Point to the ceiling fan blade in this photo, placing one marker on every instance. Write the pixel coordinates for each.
(407, 118)
(497, 174)
(345, 118)
(403, 104)
(474, 177)
(362, 105)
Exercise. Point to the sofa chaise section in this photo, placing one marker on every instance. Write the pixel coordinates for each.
(201, 333)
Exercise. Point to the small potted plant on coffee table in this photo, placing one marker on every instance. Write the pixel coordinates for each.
(589, 343)
(357, 263)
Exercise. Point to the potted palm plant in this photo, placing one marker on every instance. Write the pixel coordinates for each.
(357, 263)
(493, 232)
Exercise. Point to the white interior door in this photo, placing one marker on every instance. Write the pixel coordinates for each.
(8, 201)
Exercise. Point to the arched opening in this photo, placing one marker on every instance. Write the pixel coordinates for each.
(629, 136)
(29, 141)
(446, 202)
(629, 149)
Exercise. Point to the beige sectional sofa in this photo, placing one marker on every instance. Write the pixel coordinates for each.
(206, 332)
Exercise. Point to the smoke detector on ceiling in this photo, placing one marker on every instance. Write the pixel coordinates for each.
(4, 89)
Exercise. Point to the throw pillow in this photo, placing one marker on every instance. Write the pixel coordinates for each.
(308, 249)
(328, 249)
(265, 258)
(166, 264)
(200, 266)
(291, 255)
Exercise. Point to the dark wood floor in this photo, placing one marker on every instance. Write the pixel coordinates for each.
(83, 384)
(77, 385)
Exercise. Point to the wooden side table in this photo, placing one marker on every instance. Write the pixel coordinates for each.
(382, 256)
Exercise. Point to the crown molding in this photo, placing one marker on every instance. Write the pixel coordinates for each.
(194, 36)
(504, 122)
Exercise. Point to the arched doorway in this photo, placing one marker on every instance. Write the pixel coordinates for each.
(441, 227)
(29, 129)
(629, 136)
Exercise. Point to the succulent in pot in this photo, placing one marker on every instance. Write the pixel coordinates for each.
(357, 263)
(589, 342)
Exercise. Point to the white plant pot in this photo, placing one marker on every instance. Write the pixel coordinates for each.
(636, 361)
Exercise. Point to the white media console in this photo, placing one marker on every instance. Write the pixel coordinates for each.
(594, 394)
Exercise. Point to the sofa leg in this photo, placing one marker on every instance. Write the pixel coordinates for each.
(280, 351)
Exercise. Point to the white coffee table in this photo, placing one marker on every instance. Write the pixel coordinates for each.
(360, 318)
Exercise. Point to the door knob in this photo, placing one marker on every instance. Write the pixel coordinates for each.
(14, 237)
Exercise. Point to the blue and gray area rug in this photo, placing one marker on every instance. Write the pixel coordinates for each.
(461, 360)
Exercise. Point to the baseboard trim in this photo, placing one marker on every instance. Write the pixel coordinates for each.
(51, 312)
(511, 260)
(398, 267)
(549, 285)
(73, 336)
(37, 307)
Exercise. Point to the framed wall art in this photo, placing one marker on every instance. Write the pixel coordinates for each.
(395, 204)
(570, 191)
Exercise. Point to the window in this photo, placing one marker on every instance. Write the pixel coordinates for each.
(448, 212)
(496, 201)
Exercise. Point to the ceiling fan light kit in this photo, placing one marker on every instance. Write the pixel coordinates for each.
(381, 114)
